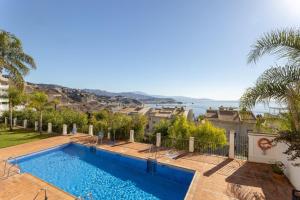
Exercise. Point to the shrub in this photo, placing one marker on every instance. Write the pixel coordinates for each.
(208, 134)
(162, 127)
(176, 133)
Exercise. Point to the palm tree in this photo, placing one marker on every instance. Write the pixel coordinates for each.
(55, 102)
(281, 84)
(15, 97)
(283, 43)
(39, 101)
(13, 59)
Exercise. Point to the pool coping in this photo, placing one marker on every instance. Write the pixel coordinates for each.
(57, 188)
(113, 152)
(139, 158)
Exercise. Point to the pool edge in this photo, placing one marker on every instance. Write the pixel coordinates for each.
(186, 197)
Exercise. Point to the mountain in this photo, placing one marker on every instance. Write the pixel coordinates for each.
(81, 99)
(94, 99)
(141, 96)
(176, 98)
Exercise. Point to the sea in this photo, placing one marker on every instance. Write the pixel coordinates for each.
(200, 106)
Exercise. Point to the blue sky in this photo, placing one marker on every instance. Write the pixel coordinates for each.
(167, 47)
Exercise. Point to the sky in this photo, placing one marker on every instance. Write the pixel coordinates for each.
(194, 48)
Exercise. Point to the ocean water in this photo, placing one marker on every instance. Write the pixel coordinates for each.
(77, 170)
(200, 106)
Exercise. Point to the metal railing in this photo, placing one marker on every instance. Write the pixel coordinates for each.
(180, 144)
(211, 148)
(8, 168)
(88, 196)
(39, 192)
(241, 144)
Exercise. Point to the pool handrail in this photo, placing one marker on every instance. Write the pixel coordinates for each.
(39, 191)
(12, 165)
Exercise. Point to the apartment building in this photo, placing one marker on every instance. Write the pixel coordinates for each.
(231, 119)
(155, 115)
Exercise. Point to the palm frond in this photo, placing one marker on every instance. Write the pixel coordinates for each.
(13, 59)
(284, 43)
(277, 83)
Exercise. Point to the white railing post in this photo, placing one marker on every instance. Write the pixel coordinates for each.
(74, 131)
(91, 130)
(49, 127)
(158, 139)
(5, 121)
(191, 144)
(65, 129)
(15, 121)
(36, 126)
(231, 144)
(131, 138)
(25, 123)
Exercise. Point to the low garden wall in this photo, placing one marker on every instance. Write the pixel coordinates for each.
(273, 154)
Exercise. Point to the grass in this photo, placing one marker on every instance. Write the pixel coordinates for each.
(19, 136)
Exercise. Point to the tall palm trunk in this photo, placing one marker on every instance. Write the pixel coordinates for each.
(10, 116)
(293, 107)
(41, 122)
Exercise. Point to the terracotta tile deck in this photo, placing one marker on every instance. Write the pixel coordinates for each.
(216, 178)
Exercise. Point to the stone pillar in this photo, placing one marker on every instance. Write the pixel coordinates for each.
(158, 139)
(25, 123)
(15, 121)
(231, 144)
(74, 130)
(108, 135)
(49, 127)
(65, 129)
(36, 126)
(5, 121)
(191, 144)
(91, 130)
(131, 138)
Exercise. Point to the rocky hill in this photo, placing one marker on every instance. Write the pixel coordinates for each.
(92, 100)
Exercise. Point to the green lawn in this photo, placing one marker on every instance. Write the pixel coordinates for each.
(8, 138)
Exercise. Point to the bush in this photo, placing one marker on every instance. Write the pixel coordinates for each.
(162, 127)
(176, 133)
(208, 134)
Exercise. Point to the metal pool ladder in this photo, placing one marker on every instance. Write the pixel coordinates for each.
(6, 170)
(152, 160)
(39, 192)
(88, 196)
(154, 153)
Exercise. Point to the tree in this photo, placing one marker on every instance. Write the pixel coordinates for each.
(283, 43)
(13, 59)
(15, 97)
(181, 128)
(55, 102)
(281, 84)
(139, 123)
(39, 101)
(162, 127)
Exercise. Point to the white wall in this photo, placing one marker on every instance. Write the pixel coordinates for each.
(272, 155)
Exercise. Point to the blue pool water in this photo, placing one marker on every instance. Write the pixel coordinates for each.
(78, 170)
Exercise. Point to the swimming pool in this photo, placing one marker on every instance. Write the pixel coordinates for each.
(79, 170)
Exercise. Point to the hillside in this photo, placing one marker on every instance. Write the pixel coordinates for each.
(91, 100)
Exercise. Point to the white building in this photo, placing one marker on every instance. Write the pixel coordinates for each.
(155, 115)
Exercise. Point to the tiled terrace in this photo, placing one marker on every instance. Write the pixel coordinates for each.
(215, 178)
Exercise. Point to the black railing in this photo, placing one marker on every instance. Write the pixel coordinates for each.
(241, 144)
(180, 144)
(211, 148)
